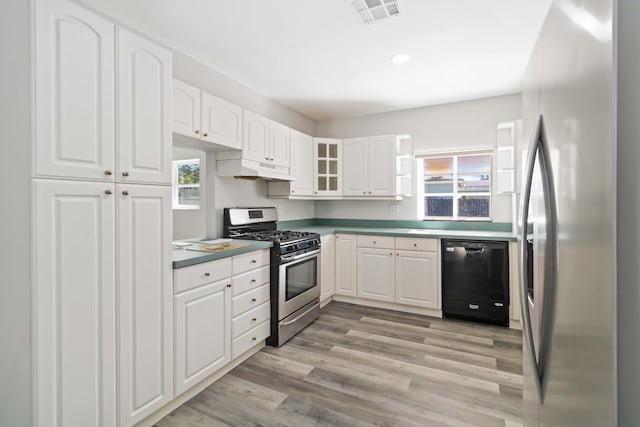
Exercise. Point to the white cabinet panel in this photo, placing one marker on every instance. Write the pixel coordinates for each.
(74, 93)
(74, 304)
(280, 140)
(250, 338)
(203, 333)
(356, 166)
(301, 164)
(417, 279)
(382, 166)
(375, 274)
(144, 110)
(221, 122)
(346, 264)
(145, 300)
(328, 266)
(197, 275)
(327, 167)
(186, 109)
(255, 138)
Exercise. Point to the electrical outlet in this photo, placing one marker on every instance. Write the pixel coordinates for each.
(393, 209)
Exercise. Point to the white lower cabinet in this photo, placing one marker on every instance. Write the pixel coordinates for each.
(328, 266)
(375, 274)
(417, 279)
(346, 265)
(203, 331)
(145, 300)
(74, 323)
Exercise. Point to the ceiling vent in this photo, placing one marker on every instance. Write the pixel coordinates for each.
(371, 11)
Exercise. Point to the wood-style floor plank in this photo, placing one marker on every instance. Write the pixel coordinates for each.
(362, 366)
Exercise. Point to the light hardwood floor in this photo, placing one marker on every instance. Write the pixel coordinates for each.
(361, 366)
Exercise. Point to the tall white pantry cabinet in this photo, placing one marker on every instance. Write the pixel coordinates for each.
(102, 286)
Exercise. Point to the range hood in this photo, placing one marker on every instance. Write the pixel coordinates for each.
(250, 169)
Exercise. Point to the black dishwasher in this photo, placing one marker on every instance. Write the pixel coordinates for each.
(475, 280)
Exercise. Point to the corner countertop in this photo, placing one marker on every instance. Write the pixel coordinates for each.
(183, 257)
(411, 232)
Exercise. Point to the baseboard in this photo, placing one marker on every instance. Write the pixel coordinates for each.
(326, 300)
(388, 305)
(193, 391)
(515, 324)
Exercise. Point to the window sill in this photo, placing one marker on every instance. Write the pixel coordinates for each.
(186, 208)
(444, 218)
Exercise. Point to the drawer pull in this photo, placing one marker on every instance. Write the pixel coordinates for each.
(253, 280)
(228, 285)
(415, 245)
(107, 192)
(374, 242)
(125, 173)
(253, 261)
(253, 300)
(253, 338)
(253, 319)
(108, 172)
(207, 274)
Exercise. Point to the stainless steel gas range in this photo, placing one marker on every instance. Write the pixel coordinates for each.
(295, 268)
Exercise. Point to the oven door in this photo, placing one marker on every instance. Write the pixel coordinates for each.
(298, 282)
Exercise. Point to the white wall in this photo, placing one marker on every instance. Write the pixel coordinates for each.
(230, 192)
(449, 126)
(15, 166)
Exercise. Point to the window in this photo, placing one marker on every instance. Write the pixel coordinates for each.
(457, 187)
(186, 184)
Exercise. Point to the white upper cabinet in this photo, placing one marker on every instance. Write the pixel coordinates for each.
(221, 121)
(369, 166)
(145, 300)
(327, 167)
(215, 122)
(356, 166)
(265, 141)
(255, 141)
(144, 110)
(186, 109)
(74, 303)
(279, 142)
(74, 92)
(382, 166)
(301, 156)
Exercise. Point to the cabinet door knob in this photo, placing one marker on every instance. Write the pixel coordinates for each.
(253, 319)
(228, 285)
(205, 134)
(390, 253)
(107, 192)
(108, 172)
(253, 280)
(266, 158)
(374, 242)
(273, 159)
(125, 193)
(125, 173)
(207, 274)
(197, 132)
(253, 300)
(369, 192)
(415, 245)
(253, 261)
(293, 191)
(364, 192)
(397, 254)
(253, 338)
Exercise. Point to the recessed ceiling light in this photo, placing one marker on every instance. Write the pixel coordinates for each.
(400, 58)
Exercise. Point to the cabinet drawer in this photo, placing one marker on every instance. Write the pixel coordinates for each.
(249, 300)
(250, 261)
(200, 274)
(247, 281)
(250, 338)
(250, 319)
(384, 242)
(416, 244)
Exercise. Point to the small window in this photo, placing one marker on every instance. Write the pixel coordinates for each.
(457, 187)
(186, 184)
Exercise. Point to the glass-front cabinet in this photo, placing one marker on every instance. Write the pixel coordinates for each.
(327, 165)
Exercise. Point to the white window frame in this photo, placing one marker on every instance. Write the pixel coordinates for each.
(175, 186)
(454, 194)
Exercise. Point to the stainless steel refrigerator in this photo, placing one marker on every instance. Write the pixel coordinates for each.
(567, 223)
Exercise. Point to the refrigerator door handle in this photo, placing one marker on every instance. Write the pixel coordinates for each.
(538, 149)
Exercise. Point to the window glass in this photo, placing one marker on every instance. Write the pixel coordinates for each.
(186, 184)
(457, 187)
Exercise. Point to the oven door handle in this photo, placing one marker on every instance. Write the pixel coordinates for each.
(286, 259)
(288, 322)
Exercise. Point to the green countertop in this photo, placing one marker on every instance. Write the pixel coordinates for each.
(410, 232)
(183, 257)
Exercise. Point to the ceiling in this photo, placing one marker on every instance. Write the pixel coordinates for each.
(317, 57)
